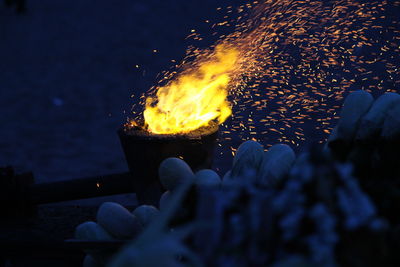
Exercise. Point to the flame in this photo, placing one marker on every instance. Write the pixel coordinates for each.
(194, 98)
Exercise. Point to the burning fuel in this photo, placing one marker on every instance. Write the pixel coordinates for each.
(195, 98)
(285, 64)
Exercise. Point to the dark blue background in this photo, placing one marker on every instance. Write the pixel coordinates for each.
(68, 70)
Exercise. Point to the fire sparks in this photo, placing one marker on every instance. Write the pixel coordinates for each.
(296, 60)
(195, 98)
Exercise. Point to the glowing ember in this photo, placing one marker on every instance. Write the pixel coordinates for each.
(195, 98)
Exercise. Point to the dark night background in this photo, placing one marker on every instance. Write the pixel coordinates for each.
(67, 73)
(68, 70)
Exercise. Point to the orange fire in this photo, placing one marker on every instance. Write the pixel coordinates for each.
(194, 98)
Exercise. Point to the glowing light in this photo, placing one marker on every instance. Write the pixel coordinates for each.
(195, 98)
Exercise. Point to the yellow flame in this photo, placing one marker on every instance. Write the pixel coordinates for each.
(195, 98)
